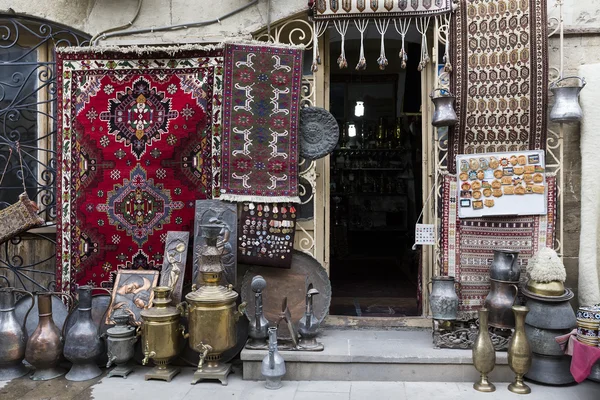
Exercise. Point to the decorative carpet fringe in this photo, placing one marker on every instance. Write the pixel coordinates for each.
(172, 49)
(259, 199)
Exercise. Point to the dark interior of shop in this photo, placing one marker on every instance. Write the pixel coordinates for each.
(375, 180)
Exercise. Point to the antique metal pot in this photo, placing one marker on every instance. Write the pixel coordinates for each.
(273, 365)
(120, 343)
(211, 312)
(504, 266)
(45, 345)
(499, 302)
(161, 334)
(553, 288)
(13, 336)
(444, 114)
(566, 101)
(553, 313)
(519, 352)
(550, 370)
(443, 298)
(82, 341)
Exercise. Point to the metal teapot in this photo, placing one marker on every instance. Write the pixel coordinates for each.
(566, 101)
(13, 336)
(444, 114)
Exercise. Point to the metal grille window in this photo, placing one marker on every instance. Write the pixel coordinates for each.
(28, 116)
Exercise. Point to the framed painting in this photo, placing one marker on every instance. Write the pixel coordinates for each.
(208, 212)
(133, 293)
(174, 263)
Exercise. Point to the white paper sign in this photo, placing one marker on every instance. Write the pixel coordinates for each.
(424, 234)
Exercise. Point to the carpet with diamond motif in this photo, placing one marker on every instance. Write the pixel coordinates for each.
(261, 97)
(138, 144)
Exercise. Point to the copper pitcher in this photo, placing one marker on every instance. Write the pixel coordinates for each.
(444, 114)
(504, 266)
(12, 335)
(566, 101)
(499, 302)
(45, 345)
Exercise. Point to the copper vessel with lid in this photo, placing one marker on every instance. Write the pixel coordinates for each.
(212, 312)
(161, 335)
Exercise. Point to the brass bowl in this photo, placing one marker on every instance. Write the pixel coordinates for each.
(554, 288)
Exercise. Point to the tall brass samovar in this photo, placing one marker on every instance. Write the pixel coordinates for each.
(212, 312)
(161, 334)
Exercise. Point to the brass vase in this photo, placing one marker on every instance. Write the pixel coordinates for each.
(484, 354)
(519, 352)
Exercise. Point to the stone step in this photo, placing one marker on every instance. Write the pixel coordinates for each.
(378, 355)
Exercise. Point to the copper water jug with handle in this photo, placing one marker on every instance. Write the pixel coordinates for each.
(566, 101)
(505, 267)
(444, 114)
(13, 336)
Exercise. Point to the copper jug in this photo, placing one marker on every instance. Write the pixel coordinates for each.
(566, 101)
(444, 114)
(45, 345)
(82, 341)
(13, 336)
(504, 266)
(499, 302)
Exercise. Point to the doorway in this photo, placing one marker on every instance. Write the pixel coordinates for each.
(375, 179)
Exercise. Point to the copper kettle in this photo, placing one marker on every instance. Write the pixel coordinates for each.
(444, 114)
(566, 101)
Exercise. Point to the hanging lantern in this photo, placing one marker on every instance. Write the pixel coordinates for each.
(359, 109)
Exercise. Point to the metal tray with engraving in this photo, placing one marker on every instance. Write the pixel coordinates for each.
(290, 283)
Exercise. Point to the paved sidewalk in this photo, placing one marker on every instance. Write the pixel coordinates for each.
(135, 388)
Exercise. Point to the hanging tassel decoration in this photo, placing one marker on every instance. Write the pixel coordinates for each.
(447, 65)
(422, 27)
(402, 31)
(342, 28)
(382, 26)
(361, 25)
(319, 28)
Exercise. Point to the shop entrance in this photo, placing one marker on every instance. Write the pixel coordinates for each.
(375, 179)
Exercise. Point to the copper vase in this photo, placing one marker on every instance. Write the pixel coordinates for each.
(13, 336)
(519, 352)
(484, 354)
(45, 346)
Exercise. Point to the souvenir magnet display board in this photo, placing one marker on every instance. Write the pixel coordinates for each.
(210, 212)
(174, 262)
(290, 283)
(266, 234)
(133, 293)
(512, 183)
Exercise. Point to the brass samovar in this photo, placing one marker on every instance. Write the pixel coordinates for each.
(161, 334)
(212, 312)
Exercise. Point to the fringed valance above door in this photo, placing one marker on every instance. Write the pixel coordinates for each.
(358, 14)
(341, 9)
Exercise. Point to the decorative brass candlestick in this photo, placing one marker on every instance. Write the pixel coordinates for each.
(519, 352)
(211, 312)
(161, 335)
(484, 355)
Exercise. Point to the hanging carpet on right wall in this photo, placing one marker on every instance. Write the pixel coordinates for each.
(500, 76)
